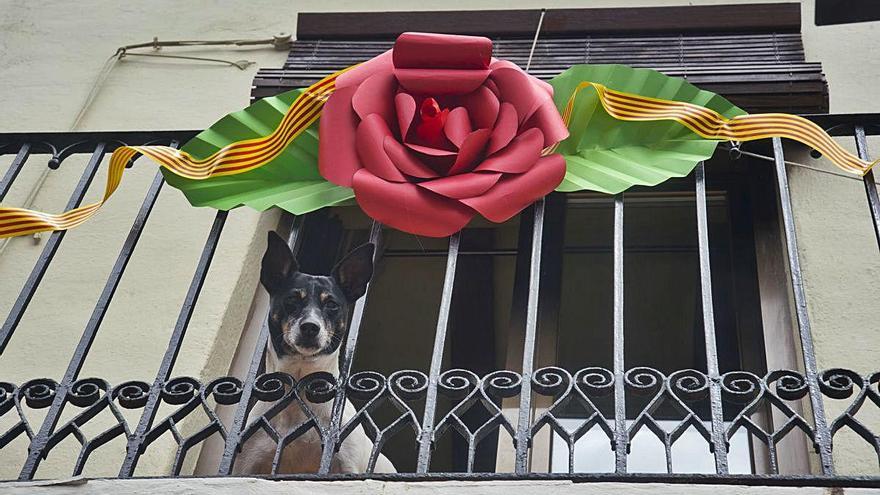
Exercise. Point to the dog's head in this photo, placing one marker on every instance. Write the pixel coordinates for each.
(308, 314)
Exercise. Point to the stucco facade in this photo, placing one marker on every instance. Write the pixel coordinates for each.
(50, 55)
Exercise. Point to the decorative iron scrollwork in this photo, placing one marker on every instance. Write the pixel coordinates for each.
(317, 388)
(740, 387)
(87, 391)
(39, 393)
(790, 385)
(180, 390)
(658, 399)
(595, 381)
(132, 394)
(270, 387)
(457, 383)
(225, 390)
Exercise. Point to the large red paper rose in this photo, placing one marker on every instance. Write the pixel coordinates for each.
(435, 131)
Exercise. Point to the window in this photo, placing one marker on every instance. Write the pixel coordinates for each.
(486, 352)
(663, 314)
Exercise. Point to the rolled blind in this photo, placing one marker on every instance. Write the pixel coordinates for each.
(758, 71)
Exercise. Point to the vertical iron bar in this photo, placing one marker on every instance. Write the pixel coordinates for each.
(233, 435)
(868, 179)
(14, 168)
(39, 442)
(821, 435)
(523, 433)
(331, 436)
(621, 435)
(719, 436)
(134, 449)
(33, 281)
(427, 438)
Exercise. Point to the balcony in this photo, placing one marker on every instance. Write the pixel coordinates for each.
(537, 417)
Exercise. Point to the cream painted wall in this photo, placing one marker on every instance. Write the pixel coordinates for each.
(50, 54)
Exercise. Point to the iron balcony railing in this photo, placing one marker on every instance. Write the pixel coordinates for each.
(465, 389)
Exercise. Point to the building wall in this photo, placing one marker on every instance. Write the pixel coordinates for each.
(51, 52)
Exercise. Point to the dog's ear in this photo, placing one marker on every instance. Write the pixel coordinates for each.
(353, 273)
(278, 263)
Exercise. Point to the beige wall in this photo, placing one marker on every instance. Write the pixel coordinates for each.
(52, 51)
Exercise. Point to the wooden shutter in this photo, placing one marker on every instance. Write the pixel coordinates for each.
(752, 54)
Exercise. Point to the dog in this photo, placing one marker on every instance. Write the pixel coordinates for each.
(308, 319)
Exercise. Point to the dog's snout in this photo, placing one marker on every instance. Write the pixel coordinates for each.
(309, 329)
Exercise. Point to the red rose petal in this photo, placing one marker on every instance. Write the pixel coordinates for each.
(406, 112)
(337, 150)
(435, 82)
(431, 51)
(482, 106)
(547, 118)
(498, 63)
(462, 185)
(515, 192)
(370, 138)
(358, 74)
(544, 85)
(516, 87)
(470, 151)
(428, 150)
(405, 161)
(492, 87)
(408, 207)
(519, 156)
(438, 159)
(458, 126)
(374, 95)
(505, 128)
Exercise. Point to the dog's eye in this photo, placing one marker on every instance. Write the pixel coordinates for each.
(292, 302)
(331, 305)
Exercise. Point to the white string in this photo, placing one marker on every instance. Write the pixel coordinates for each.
(795, 164)
(535, 40)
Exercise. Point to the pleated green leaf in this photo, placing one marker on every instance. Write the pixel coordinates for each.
(291, 181)
(609, 155)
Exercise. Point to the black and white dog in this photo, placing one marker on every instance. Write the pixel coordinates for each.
(308, 318)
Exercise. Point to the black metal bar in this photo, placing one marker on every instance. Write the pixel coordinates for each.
(427, 439)
(111, 139)
(14, 168)
(719, 434)
(234, 433)
(33, 281)
(36, 451)
(821, 435)
(523, 428)
(621, 436)
(331, 436)
(135, 446)
(868, 179)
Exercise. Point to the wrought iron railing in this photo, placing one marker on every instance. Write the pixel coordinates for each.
(714, 404)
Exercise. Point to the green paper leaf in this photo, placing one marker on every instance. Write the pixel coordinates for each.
(609, 155)
(291, 181)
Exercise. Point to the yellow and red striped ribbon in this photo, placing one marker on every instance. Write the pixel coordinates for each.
(235, 158)
(243, 156)
(709, 124)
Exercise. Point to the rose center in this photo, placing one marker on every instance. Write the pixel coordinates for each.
(432, 119)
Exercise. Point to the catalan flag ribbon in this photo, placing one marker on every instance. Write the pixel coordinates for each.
(235, 158)
(711, 125)
(248, 154)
